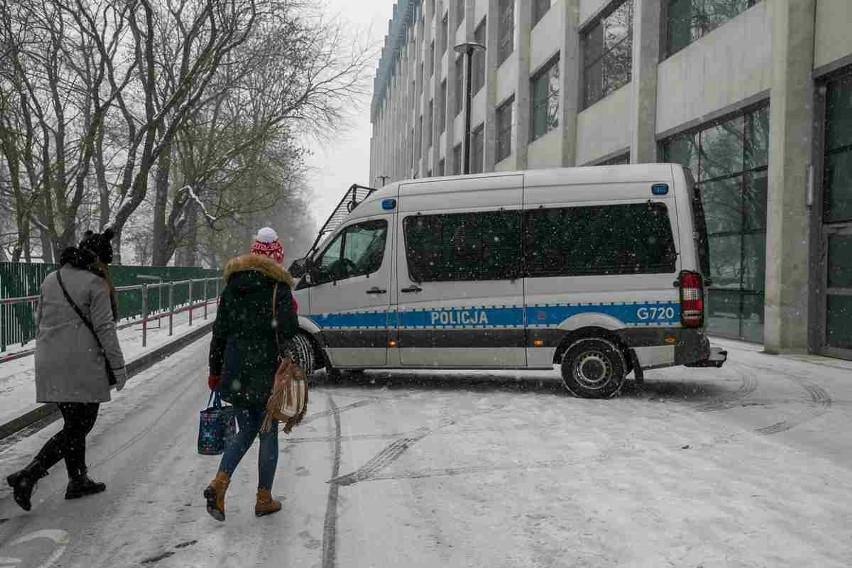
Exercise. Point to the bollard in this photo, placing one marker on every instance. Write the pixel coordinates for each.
(144, 315)
(190, 302)
(206, 298)
(171, 307)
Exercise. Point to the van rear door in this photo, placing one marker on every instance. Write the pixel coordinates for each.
(459, 290)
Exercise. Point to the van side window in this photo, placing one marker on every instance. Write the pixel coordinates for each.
(463, 246)
(357, 251)
(633, 238)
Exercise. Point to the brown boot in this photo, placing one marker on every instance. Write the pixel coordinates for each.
(266, 505)
(215, 495)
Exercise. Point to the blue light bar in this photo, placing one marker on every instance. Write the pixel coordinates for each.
(389, 204)
(660, 189)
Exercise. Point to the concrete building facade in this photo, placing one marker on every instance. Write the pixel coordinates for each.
(753, 96)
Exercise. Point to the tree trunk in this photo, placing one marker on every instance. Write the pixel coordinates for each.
(190, 248)
(162, 249)
(46, 247)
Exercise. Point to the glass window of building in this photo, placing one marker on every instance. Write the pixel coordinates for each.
(688, 20)
(459, 12)
(459, 84)
(431, 60)
(429, 124)
(620, 160)
(545, 100)
(608, 53)
(506, 31)
(441, 167)
(539, 9)
(422, 79)
(478, 61)
(457, 159)
(445, 34)
(504, 129)
(837, 214)
(418, 138)
(477, 150)
(442, 107)
(729, 162)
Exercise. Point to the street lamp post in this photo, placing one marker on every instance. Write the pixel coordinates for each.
(467, 49)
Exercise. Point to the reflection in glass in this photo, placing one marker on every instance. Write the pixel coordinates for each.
(839, 114)
(838, 186)
(839, 321)
(723, 205)
(757, 139)
(754, 261)
(754, 200)
(722, 150)
(726, 261)
(839, 261)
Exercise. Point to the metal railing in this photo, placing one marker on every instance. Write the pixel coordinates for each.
(182, 296)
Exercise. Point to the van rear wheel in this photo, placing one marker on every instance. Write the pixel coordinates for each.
(593, 367)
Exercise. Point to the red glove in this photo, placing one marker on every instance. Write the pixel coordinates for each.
(295, 305)
(213, 381)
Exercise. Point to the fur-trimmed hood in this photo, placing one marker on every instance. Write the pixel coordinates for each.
(257, 263)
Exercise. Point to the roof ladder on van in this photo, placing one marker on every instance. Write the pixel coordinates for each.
(351, 199)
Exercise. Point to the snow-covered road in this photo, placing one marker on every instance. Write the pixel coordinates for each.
(744, 466)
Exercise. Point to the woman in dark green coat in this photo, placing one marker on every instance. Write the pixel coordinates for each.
(244, 354)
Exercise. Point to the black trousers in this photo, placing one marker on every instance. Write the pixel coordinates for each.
(70, 442)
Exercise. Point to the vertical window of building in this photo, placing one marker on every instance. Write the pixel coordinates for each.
(459, 12)
(418, 139)
(687, 20)
(608, 53)
(545, 100)
(431, 60)
(504, 129)
(477, 149)
(837, 214)
(478, 62)
(729, 162)
(506, 31)
(422, 79)
(445, 34)
(459, 84)
(457, 159)
(539, 8)
(441, 166)
(442, 107)
(429, 123)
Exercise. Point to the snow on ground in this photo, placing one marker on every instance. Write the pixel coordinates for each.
(17, 382)
(740, 467)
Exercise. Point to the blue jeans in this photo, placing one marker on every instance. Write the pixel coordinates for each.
(249, 422)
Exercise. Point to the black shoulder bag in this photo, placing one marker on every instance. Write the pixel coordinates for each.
(109, 371)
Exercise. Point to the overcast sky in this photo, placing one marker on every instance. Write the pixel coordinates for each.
(338, 165)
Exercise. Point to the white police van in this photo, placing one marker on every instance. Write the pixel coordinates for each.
(598, 270)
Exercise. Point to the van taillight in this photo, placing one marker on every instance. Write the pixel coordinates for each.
(691, 299)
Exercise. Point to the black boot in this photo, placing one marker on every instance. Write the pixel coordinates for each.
(24, 483)
(83, 485)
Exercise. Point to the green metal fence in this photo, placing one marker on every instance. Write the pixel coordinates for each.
(20, 286)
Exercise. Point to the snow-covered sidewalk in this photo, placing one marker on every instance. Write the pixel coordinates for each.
(17, 384)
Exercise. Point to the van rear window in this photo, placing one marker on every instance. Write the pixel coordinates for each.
(632, 238)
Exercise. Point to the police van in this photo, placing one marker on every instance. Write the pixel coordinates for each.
(600, 271)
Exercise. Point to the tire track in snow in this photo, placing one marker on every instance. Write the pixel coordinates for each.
(381, 460)
(329, 533)
(820, 403)
(748, 384)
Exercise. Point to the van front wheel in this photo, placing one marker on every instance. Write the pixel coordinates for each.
(593, 368)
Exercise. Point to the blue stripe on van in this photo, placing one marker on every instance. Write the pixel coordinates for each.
(483, 317)
(638, 313)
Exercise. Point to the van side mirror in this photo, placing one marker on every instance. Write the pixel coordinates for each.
(299, 268)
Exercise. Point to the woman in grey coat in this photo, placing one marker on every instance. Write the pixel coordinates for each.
(75, 363)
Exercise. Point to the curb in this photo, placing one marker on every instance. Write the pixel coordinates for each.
(48, 413)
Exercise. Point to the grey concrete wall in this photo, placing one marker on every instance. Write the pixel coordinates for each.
(731, 63)
(606, 126)
(788, 217)
(834, 22)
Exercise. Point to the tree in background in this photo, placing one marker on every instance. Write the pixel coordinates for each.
(168, 117)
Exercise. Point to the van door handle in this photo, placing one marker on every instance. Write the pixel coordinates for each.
(411, 289)
(375, 290)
